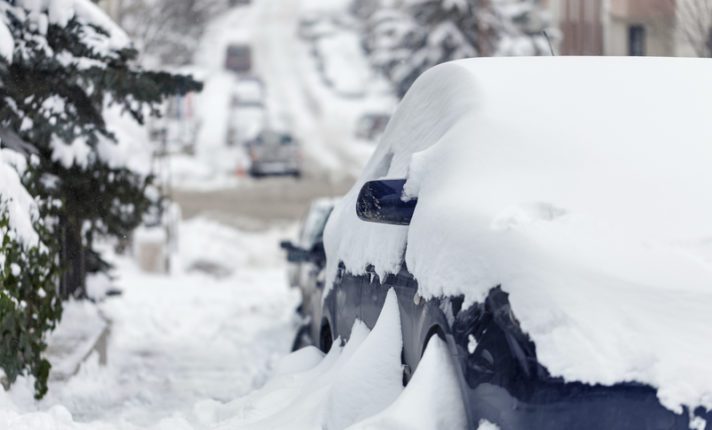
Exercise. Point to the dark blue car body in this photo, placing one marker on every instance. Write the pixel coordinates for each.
(498, 372)
(501, 380)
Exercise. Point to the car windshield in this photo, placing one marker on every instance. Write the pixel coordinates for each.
(314, 224)
(274, 138)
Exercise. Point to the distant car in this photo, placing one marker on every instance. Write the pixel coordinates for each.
(238, 58)
(371, 126)
(548, 220)
(307, 262)
(248, 91)
(274, 153)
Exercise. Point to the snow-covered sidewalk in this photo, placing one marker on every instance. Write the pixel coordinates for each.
(176, 341)
(207, 348)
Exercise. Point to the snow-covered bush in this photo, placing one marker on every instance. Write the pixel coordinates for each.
(65, 68)
(29, 305)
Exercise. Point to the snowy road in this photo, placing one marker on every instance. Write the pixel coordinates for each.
(322, 120)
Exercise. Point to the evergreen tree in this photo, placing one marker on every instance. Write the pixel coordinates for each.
(69, 64)
(445, 30)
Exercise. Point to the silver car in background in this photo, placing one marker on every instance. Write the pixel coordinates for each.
(274, 153)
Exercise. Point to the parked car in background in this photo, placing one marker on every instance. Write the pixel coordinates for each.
(249, 91)
(566, 264)
(238, 58)
(370, 126)
(307, 261)
(274, 153)
(245, 124)
(248, 113)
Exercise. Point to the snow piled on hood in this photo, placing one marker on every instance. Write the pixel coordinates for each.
(580, 186)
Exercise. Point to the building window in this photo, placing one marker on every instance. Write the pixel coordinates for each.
(636, 40)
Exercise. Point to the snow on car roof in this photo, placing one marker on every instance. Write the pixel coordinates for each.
(582, 187)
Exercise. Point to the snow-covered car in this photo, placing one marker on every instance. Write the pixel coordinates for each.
(549, 219)
(238, 58)
(274, 153)
(248, 113)
(249, 91)
(308, 260)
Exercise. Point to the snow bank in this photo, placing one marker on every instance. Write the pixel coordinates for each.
(75, 337)
(433, 389)
(350, 384)
(207, 243)
(580, 186)
(355, 387)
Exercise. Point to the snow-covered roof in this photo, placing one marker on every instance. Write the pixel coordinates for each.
(582, 187)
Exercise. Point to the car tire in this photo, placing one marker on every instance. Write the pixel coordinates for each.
(326, 339)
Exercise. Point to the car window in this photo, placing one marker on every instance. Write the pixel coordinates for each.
(314, 224)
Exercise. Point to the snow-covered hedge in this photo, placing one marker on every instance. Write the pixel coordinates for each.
(29, 305)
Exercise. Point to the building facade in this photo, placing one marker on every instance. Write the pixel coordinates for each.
(621, 27)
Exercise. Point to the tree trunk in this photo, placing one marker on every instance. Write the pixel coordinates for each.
(73, 261)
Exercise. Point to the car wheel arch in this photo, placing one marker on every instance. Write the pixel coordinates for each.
(326, 335)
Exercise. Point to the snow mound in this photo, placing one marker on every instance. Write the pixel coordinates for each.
(577, 184)
(434, 388)
(372, 379)
(350, 384)
(300, 361)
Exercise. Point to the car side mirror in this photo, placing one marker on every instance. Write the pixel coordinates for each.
(382, 202)
(295, 254)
